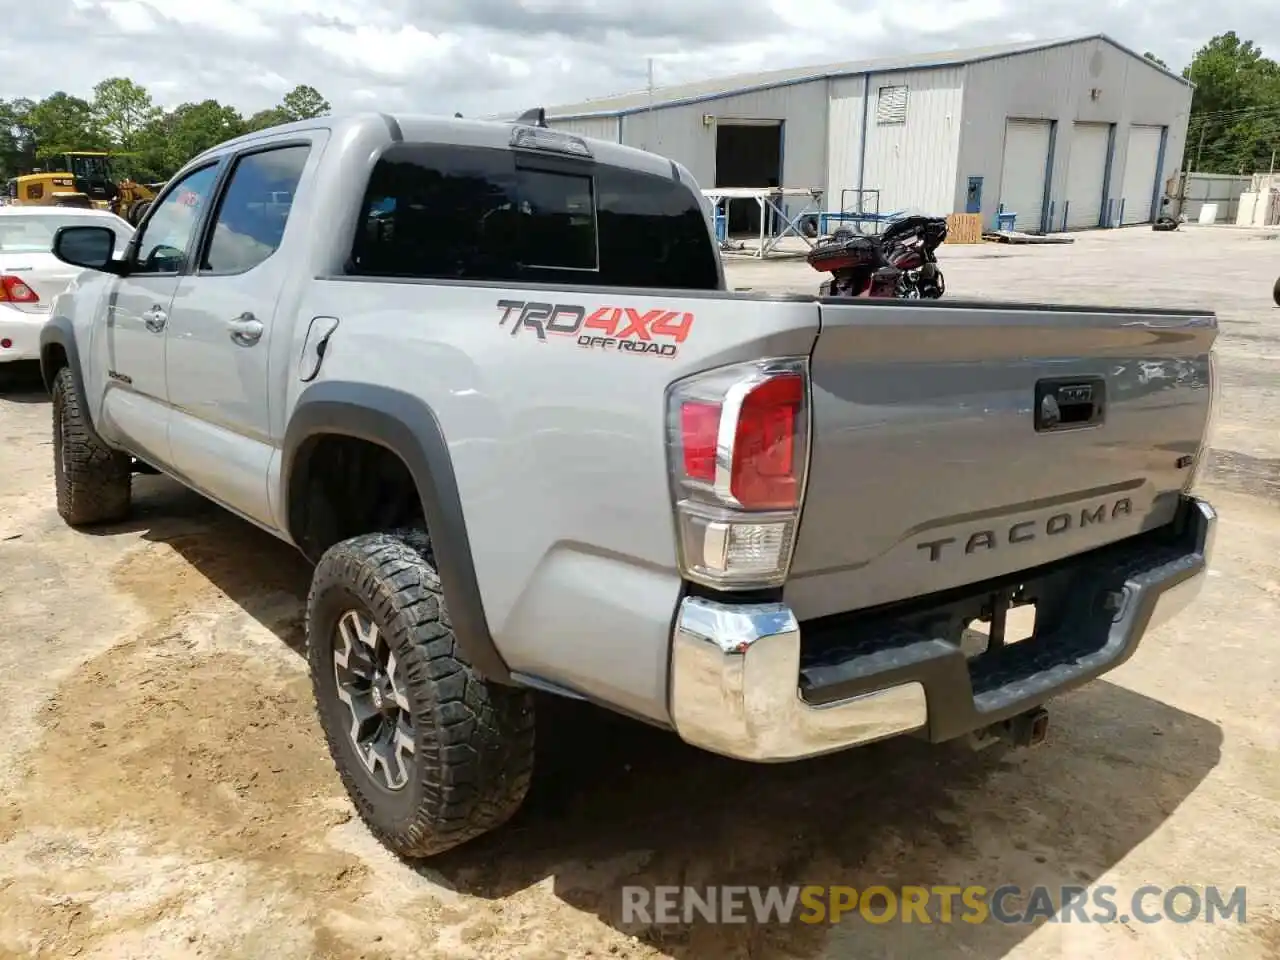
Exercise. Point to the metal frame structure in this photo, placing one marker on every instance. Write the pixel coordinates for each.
(772, 211)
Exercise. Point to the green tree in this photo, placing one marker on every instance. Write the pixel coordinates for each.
(1235, 110)
(1156, 60)
(122, 110)
(267, 118)
(304, 103)
(195, 127)
(61, 123)
(17, 140)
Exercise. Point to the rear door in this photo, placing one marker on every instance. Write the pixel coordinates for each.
(933, 465)
(1141, 167)
(221, 328)
(1022, 180)
(1086, 176)
(137, 305)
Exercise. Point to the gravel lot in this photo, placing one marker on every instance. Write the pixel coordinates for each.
(166, 793)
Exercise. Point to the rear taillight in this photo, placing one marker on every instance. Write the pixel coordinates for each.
(739, 450)
(14, 290)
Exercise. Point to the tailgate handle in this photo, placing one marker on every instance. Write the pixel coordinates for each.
(1069, 403)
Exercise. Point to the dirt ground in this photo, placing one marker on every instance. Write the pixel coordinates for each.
(166, 794)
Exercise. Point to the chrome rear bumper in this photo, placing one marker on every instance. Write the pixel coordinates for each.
(733, 689)
(735, 668)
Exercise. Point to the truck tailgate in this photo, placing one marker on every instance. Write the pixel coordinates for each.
(954, 442)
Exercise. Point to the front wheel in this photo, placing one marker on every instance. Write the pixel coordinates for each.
(431, 754)
(92, 482)
(1275, 292)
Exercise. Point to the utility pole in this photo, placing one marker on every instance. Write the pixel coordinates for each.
(1204, 126)
(1186, 169)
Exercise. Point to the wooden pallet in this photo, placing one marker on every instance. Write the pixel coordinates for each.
(964, 228)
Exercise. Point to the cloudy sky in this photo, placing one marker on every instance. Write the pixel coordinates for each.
(489, 56)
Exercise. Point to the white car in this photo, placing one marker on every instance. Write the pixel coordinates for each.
(31, 276)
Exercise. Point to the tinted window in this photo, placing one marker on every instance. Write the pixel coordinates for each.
(167, 235)
(254, 209)
(557, 219)
(479, 214)
(653, 233)
(431, 212)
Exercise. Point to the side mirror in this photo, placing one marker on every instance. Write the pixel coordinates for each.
(91, 247)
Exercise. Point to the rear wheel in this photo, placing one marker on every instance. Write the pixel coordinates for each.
(93, 483)
(431, 753)
(138, 211)
(1275, 292)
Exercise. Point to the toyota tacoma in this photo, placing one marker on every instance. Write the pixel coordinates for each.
(488, 379)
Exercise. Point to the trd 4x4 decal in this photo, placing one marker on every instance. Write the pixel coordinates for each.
(654, 332)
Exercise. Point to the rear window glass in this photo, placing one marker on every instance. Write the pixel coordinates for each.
(439, 212)
(34, 233)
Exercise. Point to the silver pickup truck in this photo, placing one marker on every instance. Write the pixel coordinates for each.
(488, 379)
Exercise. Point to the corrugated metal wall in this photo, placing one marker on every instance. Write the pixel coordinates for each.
(1056, 84)
(844, 141)
(913, 164)
(1224, 189)
(601, 128)
(679, 132)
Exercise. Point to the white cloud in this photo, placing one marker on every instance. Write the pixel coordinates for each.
(395, 53)
(132, 16)
(489, 56)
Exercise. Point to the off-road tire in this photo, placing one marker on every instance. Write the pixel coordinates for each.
(473, 738)
(93, 483)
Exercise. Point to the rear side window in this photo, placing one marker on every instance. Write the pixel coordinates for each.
(437, 212)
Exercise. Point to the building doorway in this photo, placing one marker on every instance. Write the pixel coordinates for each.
(748, 154)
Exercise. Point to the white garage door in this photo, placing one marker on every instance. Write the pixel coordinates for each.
(1086, 171)
(1026, 156)
(1140, 173)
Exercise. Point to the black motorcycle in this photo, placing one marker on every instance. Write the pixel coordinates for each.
(900, 263)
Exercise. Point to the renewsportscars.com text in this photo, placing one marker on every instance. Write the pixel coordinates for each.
(973, 904)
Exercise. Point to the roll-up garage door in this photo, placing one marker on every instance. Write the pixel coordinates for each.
(1086, 171)
(1140, 173)
(1026, 159)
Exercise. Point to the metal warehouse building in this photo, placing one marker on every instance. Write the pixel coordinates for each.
(1073, 133)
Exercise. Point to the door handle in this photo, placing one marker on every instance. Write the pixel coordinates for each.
(246, 329)
(155, 319)
(1068, 404)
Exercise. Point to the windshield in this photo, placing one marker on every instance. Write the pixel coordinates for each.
(89, 168)
(34, 234)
